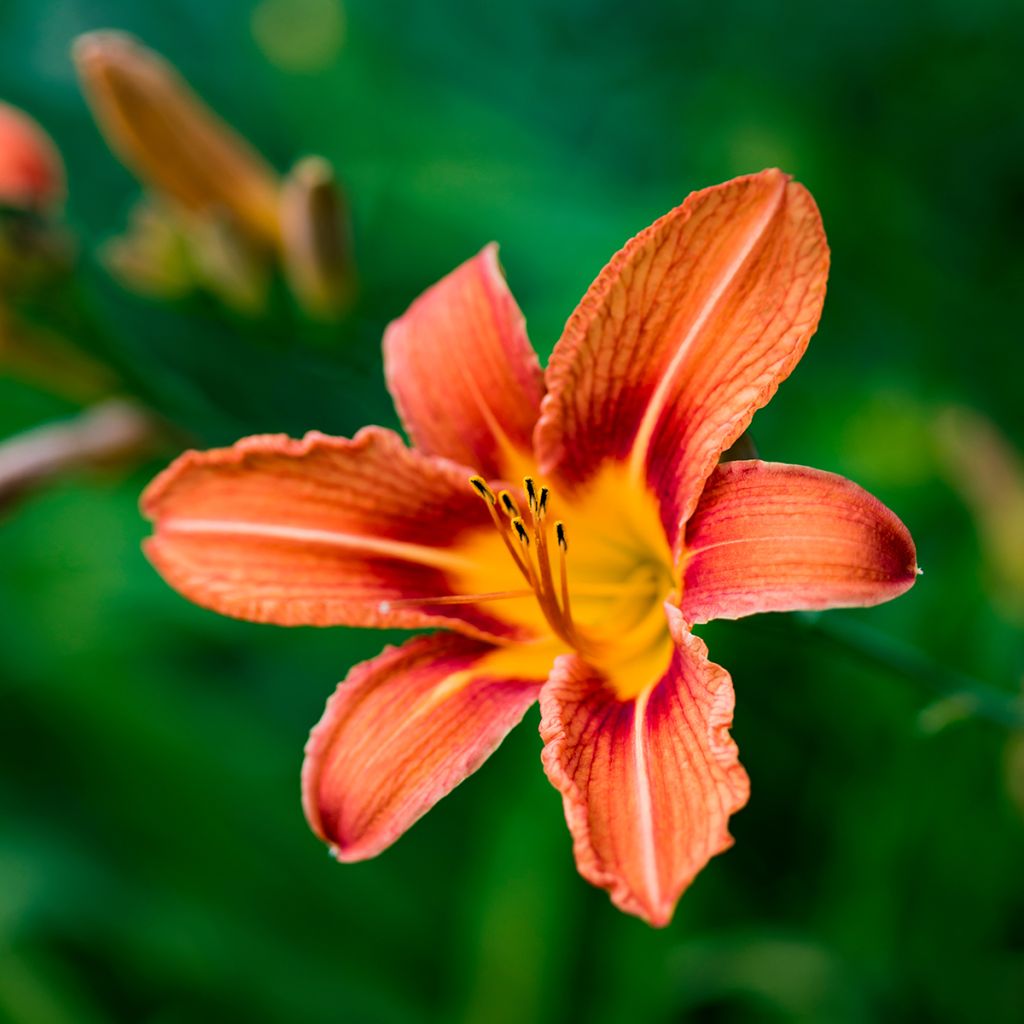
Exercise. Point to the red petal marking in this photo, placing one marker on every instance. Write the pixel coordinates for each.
(318, 532)
(403, 731)
(648, 784)
(463, 374)
(771, 538)
(31, 170)
(684, 335)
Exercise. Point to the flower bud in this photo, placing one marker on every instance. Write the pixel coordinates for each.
(170, 139)
(31, 171)
(316, 238)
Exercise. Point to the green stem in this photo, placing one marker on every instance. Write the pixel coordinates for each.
(67, 308)
(903, 659)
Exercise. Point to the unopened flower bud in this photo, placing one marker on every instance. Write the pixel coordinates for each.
(31, 171)
(170, 139)
(316, 238)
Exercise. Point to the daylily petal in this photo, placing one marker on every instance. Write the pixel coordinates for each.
(649, 783)
(684, 335)
(324, 531)
(462, 372)
(403, 731)
(770, 538)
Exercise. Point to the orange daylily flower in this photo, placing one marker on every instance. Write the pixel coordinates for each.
(567, 528)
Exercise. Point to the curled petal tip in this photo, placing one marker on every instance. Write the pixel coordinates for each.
(400, 733)
(667, 384)
(648, 783)
(772, 537)
(466, 381)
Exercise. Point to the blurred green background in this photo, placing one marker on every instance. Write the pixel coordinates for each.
(154, 862)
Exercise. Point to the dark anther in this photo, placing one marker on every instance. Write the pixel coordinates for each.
(481, 488)
(560, 534)
(531, 491)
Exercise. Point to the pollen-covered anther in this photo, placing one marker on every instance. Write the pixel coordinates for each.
(520, 527)
(531, 492)
(560, 535)
(480, 486)
(508, 503)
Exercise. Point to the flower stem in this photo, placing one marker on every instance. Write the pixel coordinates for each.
(972, 696)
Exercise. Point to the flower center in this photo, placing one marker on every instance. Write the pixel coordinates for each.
(611, 611)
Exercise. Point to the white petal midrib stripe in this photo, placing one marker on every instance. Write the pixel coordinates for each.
(423, 554)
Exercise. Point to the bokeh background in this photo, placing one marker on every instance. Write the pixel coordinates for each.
(154, 862)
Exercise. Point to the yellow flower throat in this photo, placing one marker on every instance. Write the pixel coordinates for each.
(610, 607)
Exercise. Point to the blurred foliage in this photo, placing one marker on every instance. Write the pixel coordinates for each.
(154, 863)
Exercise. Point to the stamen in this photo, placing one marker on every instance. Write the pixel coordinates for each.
(543, 557)
(510, 506)
(537, 571)
(531, 492)
(520, 527)
(480, 486)
(563, 572)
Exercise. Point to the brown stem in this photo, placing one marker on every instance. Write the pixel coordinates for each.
(108, 434)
